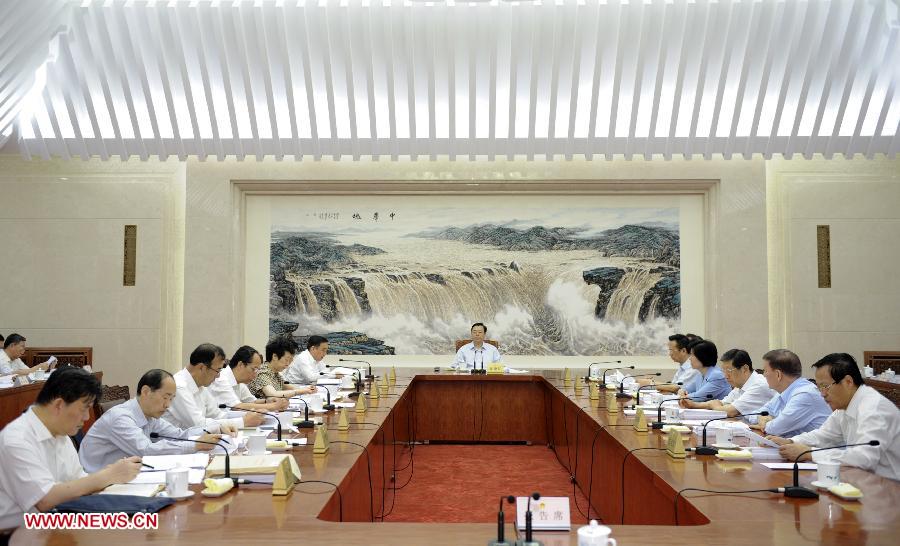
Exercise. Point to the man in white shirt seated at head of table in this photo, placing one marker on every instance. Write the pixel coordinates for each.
(40, 465)
(194, 405)
(476, 355)
(861, 414)
(750, 390)
(124, 430)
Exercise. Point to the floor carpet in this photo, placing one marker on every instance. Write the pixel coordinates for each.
(464, 483)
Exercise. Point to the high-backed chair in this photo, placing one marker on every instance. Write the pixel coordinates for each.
(461, 342)
(112, 396)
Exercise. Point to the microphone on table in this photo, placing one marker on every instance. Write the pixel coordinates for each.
(592, 364)
(501, 541)
(637, 399)
(369, 375)
(328, 406)
(659, 422)
(621, 393)
(155, 435)
(528, 531)
(234, 408)
(357, 381)
(707, 450)
(796, 491)
(603, 380)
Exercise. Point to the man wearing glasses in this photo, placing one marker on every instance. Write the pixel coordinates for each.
(750, 390)
(194, 405)
(799, 407)
(860, 414)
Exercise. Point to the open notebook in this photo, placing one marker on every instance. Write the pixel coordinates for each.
(135, 489)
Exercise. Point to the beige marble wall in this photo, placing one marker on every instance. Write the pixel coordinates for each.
(63, 243)
(61, 227)
(860, 201)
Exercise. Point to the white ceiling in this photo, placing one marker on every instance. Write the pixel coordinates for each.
(353, 78)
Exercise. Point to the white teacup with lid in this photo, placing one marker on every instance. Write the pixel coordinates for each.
(595, 535)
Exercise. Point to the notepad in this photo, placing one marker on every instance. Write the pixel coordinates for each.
(134, 489)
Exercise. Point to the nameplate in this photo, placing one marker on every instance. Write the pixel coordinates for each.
(495, 368)
(547, 513)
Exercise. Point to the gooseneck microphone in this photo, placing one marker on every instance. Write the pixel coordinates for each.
(528, 531)
(357, 381)
(369, 376)
(637, 398)
(306, 423)
(707, 450)
(603, 380)
(797, 492)
(501, 522)
(156, 435)
(235, 408)
(621, 393)
(659, 422)
(592, 364)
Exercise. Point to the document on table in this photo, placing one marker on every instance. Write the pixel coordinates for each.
(754, 437)
(790, 466)
(168, 462)
(135, 489)
(195, 476)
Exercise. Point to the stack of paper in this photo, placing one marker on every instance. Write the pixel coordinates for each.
(195, 475)
(252, 464)
(703, 414)
(168, 462)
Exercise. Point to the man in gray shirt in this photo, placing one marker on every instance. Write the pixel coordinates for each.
(125, 429)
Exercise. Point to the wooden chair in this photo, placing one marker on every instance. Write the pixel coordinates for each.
(76, 356)
(461, 342)
(112, 396)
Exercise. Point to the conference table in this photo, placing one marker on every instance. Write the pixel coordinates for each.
(538, 407)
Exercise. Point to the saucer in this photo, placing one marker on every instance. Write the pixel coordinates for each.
(727, 445)
(186, 495)
(266, 452)
(819, 485)
(739, 456)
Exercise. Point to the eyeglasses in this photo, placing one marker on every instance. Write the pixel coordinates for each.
(824, 388)
(217, 372)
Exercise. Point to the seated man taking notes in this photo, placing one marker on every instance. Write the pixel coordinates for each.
(798, 407)
(40, 466)
(861, 414)
(124, 430)
(750, 390)
(680, 353)
(306, 366)
(11, 357)
(194, 405)
(231, 389)
(476, 355)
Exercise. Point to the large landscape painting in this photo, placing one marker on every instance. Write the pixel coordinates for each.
(380, 278)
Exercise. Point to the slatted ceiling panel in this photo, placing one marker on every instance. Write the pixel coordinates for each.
(355, 79)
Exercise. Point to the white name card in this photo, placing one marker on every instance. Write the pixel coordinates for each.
(547, 514)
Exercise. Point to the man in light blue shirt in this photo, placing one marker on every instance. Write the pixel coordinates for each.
(477, 354)
(704, 356)
(799, 406)
(124, 430)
